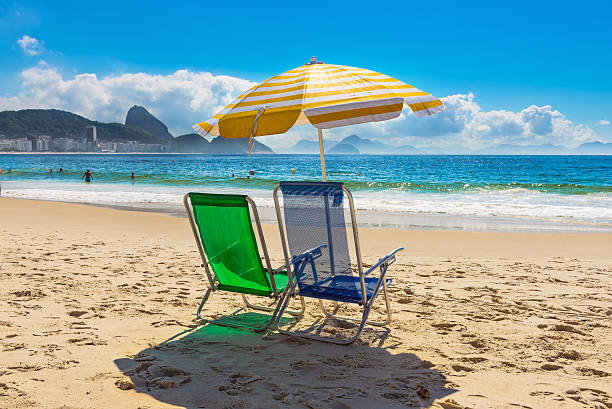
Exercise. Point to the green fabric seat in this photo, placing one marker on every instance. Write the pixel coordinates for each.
(228, 240)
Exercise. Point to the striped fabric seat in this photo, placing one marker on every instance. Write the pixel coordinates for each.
(324, 95)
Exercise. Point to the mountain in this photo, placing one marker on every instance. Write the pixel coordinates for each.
(194, 143)
(343, 149)
(235, 146)
(62, 124)
(593, 148)
(304, 146)
(189, 143)
(139, 117)
(363, 145)
(366, 145)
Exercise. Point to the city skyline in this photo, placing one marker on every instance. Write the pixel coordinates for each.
(88, 143)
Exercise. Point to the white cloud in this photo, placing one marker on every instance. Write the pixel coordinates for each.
(180, 99)
(30, 45)
(603, 122)
(464, 122)
(185, 97)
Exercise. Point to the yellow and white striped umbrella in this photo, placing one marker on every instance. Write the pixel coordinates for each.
(324, 95)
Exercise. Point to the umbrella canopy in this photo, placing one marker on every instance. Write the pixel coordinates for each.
(324, 95)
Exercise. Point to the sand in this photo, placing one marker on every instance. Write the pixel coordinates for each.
(97, 308)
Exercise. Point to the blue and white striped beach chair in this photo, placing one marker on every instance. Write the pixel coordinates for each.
(315, 244)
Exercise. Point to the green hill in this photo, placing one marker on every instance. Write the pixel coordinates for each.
(194, 143)
(189, 143)
(62, 124)
(139, 117)
(344, 149)
(239, 146)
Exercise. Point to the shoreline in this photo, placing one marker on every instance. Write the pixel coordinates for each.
(378, 219)
(492, 243)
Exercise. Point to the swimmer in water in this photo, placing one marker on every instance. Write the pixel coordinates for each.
(87, 176)
(133, 177)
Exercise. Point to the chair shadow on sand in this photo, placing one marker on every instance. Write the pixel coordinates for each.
(210, 366)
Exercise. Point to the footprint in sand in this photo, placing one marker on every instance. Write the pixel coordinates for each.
(168, 323)
(571, 355)
(551, 367)
(239, 383)
(593, 372)
(79, 314)
(478, 343)
(567, 328)
(155, 375)
(27, 295)
(593, 398)
(462, 368)
(12, 347)
(86, 341)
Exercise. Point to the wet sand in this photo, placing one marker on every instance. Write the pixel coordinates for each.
(97, 308)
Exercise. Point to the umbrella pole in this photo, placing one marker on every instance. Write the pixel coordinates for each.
(322, 154)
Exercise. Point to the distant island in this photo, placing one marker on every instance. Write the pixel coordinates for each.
(52, 130)
(355, 145)
(344, 149)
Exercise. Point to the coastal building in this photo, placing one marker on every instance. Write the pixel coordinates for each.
(66, 145)
(40, 143)
(121, 147)
(22, 145)
(131, 147)
(43, 143)
(33, 141)
(91, 137)
(107, 146)
(6, 145)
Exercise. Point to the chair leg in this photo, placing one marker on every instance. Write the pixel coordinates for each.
(338, 341)
(204, 299)
(270, 308)
(231, 325)
(387, 320)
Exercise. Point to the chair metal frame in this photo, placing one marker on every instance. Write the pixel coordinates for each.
(212, 279)
(310, 255)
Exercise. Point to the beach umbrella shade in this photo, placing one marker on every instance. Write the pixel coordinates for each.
(323, 95)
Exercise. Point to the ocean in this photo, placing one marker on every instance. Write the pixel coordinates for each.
(463, 192)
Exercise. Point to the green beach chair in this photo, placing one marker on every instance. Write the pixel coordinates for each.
(226, 241)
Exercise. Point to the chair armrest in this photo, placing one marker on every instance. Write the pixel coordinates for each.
(385, 262)
(279, 269)
(300, 261)
(314, 252)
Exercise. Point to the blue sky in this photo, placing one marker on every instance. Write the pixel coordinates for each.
(502, 58)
